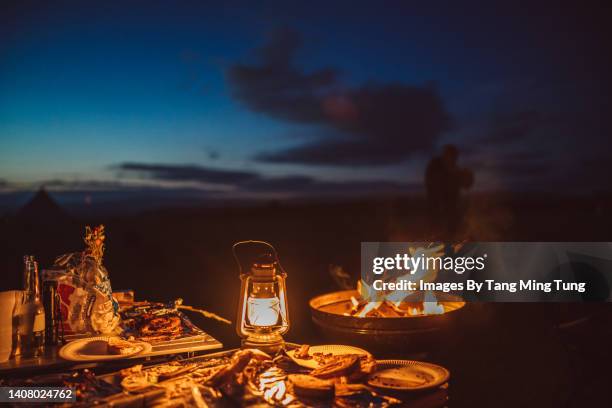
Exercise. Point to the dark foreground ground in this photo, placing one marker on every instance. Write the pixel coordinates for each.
(499, 355)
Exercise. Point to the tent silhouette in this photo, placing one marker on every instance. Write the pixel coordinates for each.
(42, 208)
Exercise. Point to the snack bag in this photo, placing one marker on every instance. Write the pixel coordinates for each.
(83, 285)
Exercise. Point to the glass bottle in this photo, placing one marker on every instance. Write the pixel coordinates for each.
(30, 315)
(53, 318)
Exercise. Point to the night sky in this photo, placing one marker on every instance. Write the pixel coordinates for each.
(314, 99)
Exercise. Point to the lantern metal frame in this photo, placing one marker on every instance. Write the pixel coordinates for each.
(266, 337)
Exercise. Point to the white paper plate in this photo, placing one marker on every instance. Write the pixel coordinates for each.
(94, 349)
(408, 375)
(335, 349)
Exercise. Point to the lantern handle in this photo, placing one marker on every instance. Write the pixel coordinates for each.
(267, 244)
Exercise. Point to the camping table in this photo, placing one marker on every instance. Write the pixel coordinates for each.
(51, 362)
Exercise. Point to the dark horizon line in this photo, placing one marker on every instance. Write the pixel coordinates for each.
(140, 198)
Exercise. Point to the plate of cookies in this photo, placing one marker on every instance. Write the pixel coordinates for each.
(103, 348)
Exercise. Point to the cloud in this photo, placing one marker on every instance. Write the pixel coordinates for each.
(276, 88)
(188, 173)
(515, 169)
(311, 186)
(102, 185)
(5, 186)
(515, 126)
(253, 182)
(374, 124)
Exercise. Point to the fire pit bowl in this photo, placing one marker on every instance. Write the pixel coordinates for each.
(419, 333)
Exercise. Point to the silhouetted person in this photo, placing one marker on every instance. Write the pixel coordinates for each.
(444, 180)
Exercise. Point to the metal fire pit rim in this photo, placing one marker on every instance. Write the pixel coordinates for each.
(374, 331)
(373, 324)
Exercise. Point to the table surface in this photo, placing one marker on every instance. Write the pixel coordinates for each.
(50, 361)
(50, 364)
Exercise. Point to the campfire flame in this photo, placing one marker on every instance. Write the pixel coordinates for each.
(431, 305)
(393, 305)
(397, 303)
(387, 308)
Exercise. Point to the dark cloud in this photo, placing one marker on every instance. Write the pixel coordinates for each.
(213, 154)
(369, 125)
(516, 169)
(83, 184)
(515, 126)
(252, 182)
(312, 186)
(592, 173)
(276, 87)
(188, 173)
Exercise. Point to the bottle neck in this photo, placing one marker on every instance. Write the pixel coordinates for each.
(31, 282)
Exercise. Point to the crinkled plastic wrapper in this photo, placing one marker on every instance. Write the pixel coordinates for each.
(86, 301)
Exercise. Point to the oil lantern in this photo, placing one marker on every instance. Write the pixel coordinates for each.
(262, 308)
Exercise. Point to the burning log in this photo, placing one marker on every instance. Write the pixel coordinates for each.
(387, 308)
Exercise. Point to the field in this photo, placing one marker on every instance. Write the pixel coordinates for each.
(186, 253)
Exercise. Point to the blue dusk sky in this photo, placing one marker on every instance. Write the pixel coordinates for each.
(283, 99)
